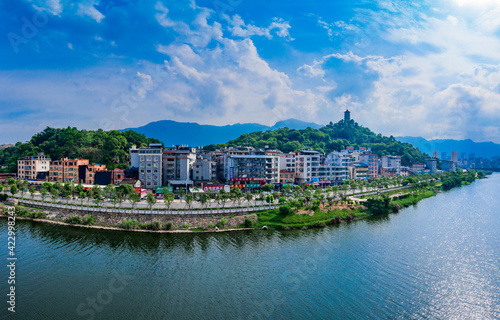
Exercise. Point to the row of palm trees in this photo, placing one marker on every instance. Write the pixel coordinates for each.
(117, 195)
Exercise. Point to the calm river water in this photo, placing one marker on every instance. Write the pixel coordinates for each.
(437, 260)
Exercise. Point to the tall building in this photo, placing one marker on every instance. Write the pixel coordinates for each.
(178, 165)
(463, 156)
(33, 167)
(204, 170)
(454, 156)
(431, 164)
(447, 165)
(347, 115)
(393, 162)
(370, 159)
(444, 156)
(256, 168)
(435, 154)
(149, 162)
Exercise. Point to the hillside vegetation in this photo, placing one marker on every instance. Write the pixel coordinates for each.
(332, 137)
(104, 147)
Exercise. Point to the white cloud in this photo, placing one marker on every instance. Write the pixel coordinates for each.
(88, 9)
(238, 28)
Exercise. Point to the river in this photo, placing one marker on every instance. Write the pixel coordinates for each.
(437, 260)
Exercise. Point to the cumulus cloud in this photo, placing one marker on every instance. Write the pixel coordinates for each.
(88, 9)
(238, 28)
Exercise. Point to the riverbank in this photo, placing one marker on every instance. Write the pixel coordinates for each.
(294, 214)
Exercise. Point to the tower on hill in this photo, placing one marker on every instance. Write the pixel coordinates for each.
(347, 116)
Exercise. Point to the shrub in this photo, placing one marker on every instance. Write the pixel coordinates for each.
(223, 221)
(211, 225)
(130, 224)
(185, 225)
(39, 215)
(155, 225)
(248, 223)
(74, 220)
(168, 226)
(3, 197)
(281, 200)
(319, 225)
(89, 220)
(144, 226)
(378, 205)
(395, 206)
(285, 210)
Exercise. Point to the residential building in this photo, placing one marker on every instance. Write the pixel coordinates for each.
(454, 156)
(444, 156)
(5, 145)
(389, 172)
(106, 177)
(178, 165)
(371, 159)
(447, 165)
(68, 170)
(33, 167)
(431, 163)
(88, 172)
(259, 164)
(149, 162)
(287, 162)
(358, 171)
(391, 162)
(204, 170)
(435, 154)
(287, 177)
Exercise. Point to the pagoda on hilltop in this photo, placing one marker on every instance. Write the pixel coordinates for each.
(347, 116)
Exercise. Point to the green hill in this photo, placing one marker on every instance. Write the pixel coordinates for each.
(332, 137)
(105, 147)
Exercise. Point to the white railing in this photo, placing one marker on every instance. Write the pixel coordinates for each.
(154, 211)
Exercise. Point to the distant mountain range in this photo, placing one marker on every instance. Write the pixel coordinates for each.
(194, 134)
(481, 149)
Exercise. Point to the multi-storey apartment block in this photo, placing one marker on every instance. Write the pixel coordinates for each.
(68, 170)
(178, 165)
(149, 162)
(393, 162)
(262, 165)
(33, 167)
(204, 170)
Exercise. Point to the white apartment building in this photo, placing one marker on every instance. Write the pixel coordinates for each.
(258, 164)
(31, 167)
(149, 162)
(204, 170)
(391, 162)
(178, 165)
(287, 162)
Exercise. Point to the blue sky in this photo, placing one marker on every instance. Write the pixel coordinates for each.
(429, 69)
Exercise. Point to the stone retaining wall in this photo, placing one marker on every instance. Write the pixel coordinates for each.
(116, 219)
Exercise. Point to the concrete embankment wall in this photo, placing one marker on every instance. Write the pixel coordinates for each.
(115, 219)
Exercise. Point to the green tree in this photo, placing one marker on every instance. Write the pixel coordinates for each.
(267, 187)
(43, 193)
(248, 198)
(150, 199)
(13, 189)
(32, 192)
(134, 198)
(54, 193)
(189, 200)
(168, 199)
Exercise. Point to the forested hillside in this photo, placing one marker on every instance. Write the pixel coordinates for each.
(104, 147)
(332, 137)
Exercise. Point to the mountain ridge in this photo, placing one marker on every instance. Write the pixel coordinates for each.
(481, 149)
(172, 132)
